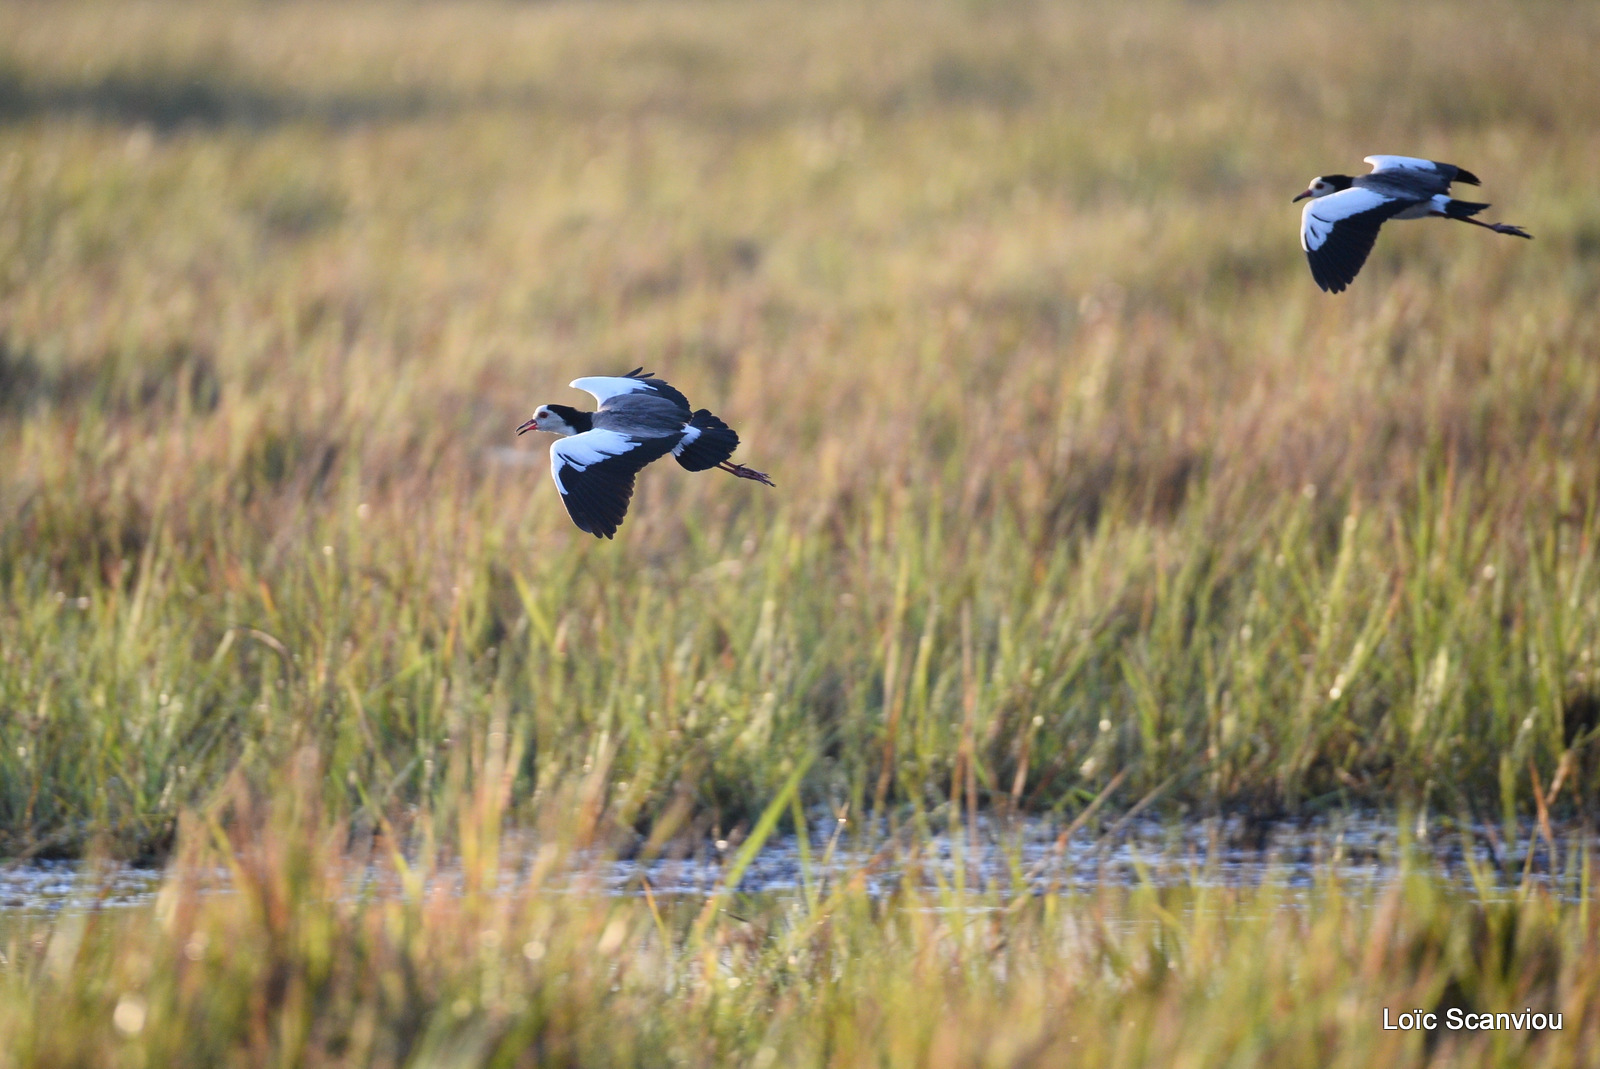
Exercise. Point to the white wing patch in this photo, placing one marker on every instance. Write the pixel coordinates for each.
(1401, 163)
(604, 388)
(581, 451)
(689, 435)
(1322, 214)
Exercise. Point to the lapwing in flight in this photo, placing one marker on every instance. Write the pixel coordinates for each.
(1339, 225)
(640, 419)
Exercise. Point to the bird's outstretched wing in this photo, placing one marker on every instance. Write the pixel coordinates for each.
(1337, 232)
(604, 388)
(1442, 173)
(594, 474)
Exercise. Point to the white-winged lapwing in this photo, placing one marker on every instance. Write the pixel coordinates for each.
(1340, 224)
(640, 419)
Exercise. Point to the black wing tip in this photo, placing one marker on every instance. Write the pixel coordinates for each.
(1464, 175)
(1331, 285)
(1331, 276)
(596, 511)
(589, 522)
(598, 527)
(590, 525)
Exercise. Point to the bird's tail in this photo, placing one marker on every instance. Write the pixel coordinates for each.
(1463, 209)
(711, 442)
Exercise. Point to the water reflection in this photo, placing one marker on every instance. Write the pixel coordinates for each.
(53, 886)
(996, 859)
(1037, 857)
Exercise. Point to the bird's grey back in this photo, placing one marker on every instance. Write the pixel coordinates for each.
(1409, 183)
(641, 414)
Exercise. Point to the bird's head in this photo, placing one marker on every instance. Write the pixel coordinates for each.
(556, 419)
(1324, 184)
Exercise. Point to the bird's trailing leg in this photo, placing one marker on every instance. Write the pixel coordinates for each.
(747, 473)
(1498, 228)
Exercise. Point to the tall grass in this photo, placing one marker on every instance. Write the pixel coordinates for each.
(318, 957)
(1080, 479)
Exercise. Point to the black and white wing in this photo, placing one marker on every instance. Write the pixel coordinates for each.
(594, 473)
(604, 388)
(1337, 232)
(1432, 172)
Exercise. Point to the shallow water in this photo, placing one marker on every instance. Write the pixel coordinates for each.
(991, 858)
(53, 886)
(1033, 857)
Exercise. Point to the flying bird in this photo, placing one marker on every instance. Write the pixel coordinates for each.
(640, 419)
(1339, 225)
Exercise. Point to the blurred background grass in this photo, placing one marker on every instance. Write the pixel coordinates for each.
(1079, 475)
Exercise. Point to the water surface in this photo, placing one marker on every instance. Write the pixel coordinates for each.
(996, 859)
